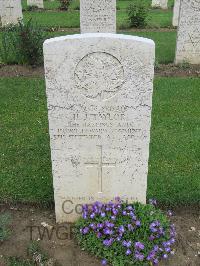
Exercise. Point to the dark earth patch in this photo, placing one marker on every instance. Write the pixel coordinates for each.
(162, 71)
(67, 253)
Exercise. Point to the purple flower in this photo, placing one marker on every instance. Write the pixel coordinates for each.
(129, 208)
(113, 217)
(108, 242)
(151, 255)
(93, 226)
(99, 235)
(126, 243)
(85, 230)
(156, 248)
(139, 245)
(128, 252)
(151, 238)
(109, 224)
(107, 231)
(169, 213)
(172, 241)
(165, 256)
(166, 244)
(138, 223)
(124, 213)
(104, 262)
(103, 214)
(168, 249)
(119, 238)
(100, 225)
(155, 261)
(92, 215)
(121, 229)
(114, 211)
(130, 227)
(139, 256)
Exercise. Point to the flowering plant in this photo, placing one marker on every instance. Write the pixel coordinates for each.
(126, 234)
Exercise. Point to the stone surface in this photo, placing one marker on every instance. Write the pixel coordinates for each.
(10, 12)
(160, 3)
(99, 89)
(98, 16)
(38, 3)
(176, 11)
(188, 37)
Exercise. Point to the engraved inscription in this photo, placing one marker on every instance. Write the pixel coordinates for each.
(99, 76)
(194, 4)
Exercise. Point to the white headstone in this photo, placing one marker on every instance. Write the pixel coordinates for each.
(188, 37)
(99, 89)
(176, 11)
(98, 16)
(160, 4)
(10, 12)
(37, 3)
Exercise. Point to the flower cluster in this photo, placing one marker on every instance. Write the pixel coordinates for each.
(115, 225)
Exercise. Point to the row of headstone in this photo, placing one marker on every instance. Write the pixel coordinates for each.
(188, 35)
(176, 11)
(99, 88)
(37, 3)
(10, 12)
(163, 4)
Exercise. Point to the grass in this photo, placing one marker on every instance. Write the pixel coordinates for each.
(55, 18)
(25, 166)
(75, 4)
(165, 43)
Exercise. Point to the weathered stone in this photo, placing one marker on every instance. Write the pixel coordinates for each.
(10, 12)
(188, 37)
(98, 16)
(160, 4)
(99, 89)
(176, 11)
(37, 3)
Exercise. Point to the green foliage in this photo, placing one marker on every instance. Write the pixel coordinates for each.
(4, 226)
(138, 13)
(64, 4)
(13, 261)
(36, 253)
(22, 44)
(110, 238)
(32, 8)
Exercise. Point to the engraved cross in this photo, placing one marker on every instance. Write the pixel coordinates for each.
(100, 165)
(10, 7)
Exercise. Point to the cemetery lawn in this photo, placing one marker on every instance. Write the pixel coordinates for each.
(25, 166)
(70, 19)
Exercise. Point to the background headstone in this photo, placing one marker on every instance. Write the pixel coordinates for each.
(160, 3)
(176, 11)
(98, 16)
(10, 12)
(38, 3)
(188, 37)
(99, 89)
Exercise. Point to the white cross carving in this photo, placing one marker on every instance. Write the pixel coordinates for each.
(100, 165)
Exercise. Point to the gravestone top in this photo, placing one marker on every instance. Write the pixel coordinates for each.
(99, 89)
(176, 11)
(10, 12)
(37, 3)
(160, 4)
(188, 37)
(98, 16)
